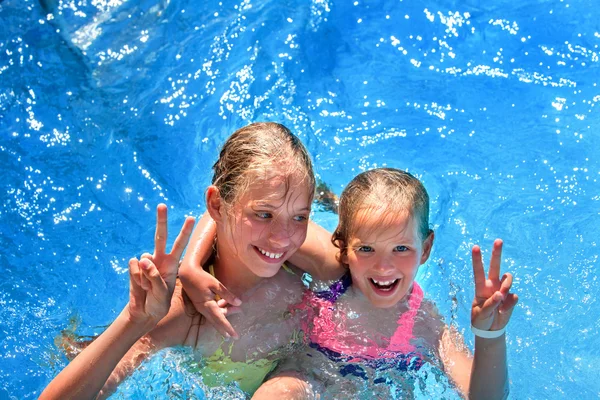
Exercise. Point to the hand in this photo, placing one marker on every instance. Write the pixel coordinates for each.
(152, 279)
(493, 304)
(202, 288)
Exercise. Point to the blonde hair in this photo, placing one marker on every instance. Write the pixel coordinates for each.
(257, 148)
(388, 190)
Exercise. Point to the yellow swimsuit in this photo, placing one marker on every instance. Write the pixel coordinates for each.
(221, 369)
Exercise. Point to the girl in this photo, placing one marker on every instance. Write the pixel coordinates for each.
(260, 200)
(383, 237)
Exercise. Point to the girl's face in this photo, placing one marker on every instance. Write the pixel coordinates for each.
(268, 223)
(384, 257)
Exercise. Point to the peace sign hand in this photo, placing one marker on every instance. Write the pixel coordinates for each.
(152, 279)
(493, 304)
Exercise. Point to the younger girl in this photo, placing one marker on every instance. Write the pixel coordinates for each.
(260, 200)
(383, 237)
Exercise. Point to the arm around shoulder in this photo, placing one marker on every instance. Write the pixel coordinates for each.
(318, 255)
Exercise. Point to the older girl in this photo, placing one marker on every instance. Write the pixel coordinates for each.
(260, 200)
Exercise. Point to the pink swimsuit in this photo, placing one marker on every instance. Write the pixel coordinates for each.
(329, 335)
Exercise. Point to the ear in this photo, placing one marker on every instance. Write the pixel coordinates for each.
(214, 203)
(341, 256)
(427, 245)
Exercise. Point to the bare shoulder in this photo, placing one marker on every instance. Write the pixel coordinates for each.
(429, 309)
(288, 276)
(429, 324)
(443, 338)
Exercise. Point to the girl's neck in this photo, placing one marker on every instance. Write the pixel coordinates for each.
(233, 274)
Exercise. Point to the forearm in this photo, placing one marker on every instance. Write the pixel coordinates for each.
(489, 375)
(200, 250)
(85, 376)
(318, 256)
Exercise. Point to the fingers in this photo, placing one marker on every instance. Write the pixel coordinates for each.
(506, 283)
(216, 316)
(491, 304)
(227, 309)
(183, 237)
(494, 273)
(160, 236)
(478, 273)
(144, 282)
(226, 295)
(508, 305)
(231, 310)
(153, 279)
(136, 293)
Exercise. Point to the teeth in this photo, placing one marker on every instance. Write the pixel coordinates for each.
(384, 283)
(270, 255)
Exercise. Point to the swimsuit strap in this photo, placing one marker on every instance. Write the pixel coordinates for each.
(288, 269)
(337, 289)
(400, 340)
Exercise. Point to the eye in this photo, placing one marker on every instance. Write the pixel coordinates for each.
(365, 249)
(300, 218)
(401, 249)
(264, 215)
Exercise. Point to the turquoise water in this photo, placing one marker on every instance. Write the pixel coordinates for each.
(112, 107)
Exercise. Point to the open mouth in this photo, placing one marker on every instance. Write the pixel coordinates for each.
(270, 256)
(384, 286)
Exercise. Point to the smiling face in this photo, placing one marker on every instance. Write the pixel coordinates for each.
(385, 254)
(266, 225)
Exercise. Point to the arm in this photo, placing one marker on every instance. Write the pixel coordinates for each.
(317, 255)
(84, 377)
(201, 248)
(200, 286)
(492, 308)
(170, 331)
(456, 358)
(485, 376)
(152, 282)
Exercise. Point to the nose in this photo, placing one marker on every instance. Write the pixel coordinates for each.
(281, 233)
(383, 264)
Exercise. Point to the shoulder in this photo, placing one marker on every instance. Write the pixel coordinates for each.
(429, 324)
(430, 310)
(289, 275)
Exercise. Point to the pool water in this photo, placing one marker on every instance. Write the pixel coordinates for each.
(109, 107)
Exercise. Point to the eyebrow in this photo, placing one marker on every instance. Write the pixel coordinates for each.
(265, 205)
(272, 207)
(399, 241)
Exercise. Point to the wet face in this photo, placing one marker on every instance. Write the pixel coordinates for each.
(268, 223)
(384, 256)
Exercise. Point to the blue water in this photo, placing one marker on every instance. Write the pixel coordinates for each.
(112, 107)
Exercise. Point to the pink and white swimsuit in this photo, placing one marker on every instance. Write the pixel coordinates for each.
(328, 331)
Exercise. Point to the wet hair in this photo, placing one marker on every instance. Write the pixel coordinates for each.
(256, 149)
(248, 153)
(387, 192)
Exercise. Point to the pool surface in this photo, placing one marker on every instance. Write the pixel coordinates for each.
(109, 107)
